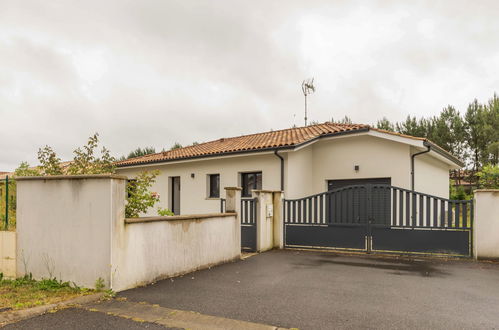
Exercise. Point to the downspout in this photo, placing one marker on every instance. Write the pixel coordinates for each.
(282, 169)
(412, 162)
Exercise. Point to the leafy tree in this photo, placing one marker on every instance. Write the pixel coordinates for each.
(447, 130)
(344, 120)
(176, 146)
(493, 150)
(85, 161)
(413, 126)
(50, 164)
(475, 133)
(140, 199)
(25, 170)
(488, 177)
(140, 152)
(385, 124)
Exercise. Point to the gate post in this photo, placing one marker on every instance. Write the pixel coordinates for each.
(278, 197)
(233, 201)
(233, 204)
(264, 219)
(485, 224)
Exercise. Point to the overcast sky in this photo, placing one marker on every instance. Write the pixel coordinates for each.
(150, 73)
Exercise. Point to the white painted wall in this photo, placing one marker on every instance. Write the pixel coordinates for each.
(431, 176)
(194, 191)
(73, 228)
(486, 224)
(64, 227)
(8, 253)
(378, 158)
(146, 252)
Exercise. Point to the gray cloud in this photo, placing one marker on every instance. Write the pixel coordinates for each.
(156, 72)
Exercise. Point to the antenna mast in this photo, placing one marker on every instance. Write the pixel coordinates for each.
(307, 86)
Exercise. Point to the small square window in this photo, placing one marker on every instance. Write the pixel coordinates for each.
(214, 189)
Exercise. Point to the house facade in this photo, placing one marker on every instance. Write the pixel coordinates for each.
(300, 161)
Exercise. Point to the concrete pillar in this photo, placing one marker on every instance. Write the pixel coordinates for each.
(278, 197)
(233, 204)
(486, 224)
(264, 220)
(233, 199)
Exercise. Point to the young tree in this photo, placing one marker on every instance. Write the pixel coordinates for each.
(488, 177)
(85, 161)
(50, 164)
(140, 199)
(25, 170)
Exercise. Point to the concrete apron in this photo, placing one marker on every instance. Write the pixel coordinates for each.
(153, 313)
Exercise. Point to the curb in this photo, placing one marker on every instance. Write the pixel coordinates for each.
(15, 316)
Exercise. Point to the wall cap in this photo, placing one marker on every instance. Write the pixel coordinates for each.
(179, 217)
(72, 177)
(486, 190)
(233, 188)
(266, 191)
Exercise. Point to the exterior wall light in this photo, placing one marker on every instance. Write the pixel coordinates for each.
(356, 168)
(192, 175)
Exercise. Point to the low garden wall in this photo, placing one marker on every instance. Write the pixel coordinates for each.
(73, 228)
(8, 253)
(148, 249)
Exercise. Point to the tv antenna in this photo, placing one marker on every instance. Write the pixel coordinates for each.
(307, 86)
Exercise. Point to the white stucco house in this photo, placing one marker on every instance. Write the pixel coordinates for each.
(300, 161)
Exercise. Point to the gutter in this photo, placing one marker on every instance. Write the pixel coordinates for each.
(412, 161)
(282, 168)
(443, 153)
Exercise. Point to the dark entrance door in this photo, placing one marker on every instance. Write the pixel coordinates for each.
(175, 194)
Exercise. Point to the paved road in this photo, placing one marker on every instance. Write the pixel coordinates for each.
(320, 290)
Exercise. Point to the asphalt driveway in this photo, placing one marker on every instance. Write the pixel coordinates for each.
(322, 290)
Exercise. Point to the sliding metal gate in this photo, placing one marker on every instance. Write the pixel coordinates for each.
(248, 223)
(380, 218)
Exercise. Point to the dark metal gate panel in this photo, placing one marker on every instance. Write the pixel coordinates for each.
(334, 219)
(348, 237)
(380, 218)
(424, 224)
(248, 224)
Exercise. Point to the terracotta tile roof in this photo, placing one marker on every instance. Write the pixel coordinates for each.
(286, 138)
(274, 139)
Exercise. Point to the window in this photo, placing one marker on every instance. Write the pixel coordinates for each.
(214, 186)
(250, 181)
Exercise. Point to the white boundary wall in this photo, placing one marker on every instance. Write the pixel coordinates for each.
(150, 250)
(8, 253)
(73, 228)
(486, 224)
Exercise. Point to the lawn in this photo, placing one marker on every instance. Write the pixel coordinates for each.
(25, 292)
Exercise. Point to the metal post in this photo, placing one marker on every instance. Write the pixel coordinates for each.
(6, 202)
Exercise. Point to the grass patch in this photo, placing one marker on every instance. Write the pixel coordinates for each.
(26, 292)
